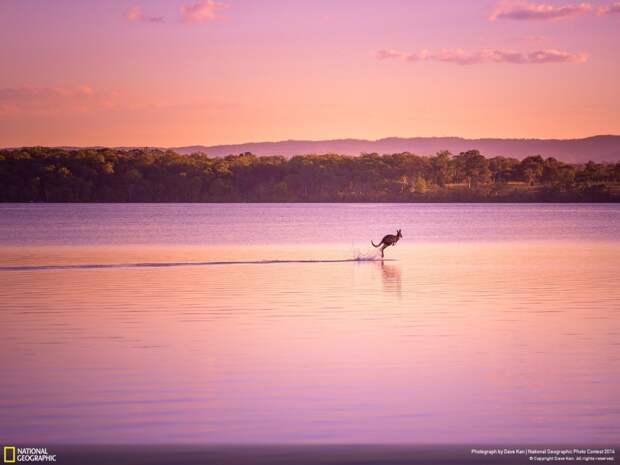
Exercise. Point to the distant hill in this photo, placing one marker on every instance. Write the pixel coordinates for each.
(596, 148)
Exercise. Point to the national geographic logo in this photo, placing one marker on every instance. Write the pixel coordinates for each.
(8, 454)
(12, 454)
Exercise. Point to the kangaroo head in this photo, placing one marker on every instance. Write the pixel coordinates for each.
(399, 234)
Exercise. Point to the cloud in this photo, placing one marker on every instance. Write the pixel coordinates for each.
(135, 13)
(462, 57)
(537, 11)
(556, 56)
(203, 10)
(613, 9)
(53, 100)
(387, 54)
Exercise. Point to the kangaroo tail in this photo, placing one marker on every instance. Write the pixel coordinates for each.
(375, 245)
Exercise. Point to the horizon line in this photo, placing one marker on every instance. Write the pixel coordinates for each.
(170, 147)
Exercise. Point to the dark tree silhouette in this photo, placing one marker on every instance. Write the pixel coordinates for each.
(39, 174)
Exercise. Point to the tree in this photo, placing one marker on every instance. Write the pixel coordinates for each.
(475, 168)
(531, 169)
(440, 168)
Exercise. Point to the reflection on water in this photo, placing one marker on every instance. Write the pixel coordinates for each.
(391, 277)
(450, 342)
(87, 224)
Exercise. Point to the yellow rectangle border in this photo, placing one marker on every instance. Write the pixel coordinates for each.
(5, 454)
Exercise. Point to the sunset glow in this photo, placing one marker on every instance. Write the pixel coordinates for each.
(183, 72)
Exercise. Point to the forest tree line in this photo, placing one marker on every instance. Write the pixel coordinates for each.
(39, 174)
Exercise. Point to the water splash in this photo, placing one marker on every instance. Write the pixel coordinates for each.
(371, 256)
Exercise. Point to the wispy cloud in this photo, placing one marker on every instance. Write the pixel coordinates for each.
(537, 11)
(613, 9)
(463, 57)
(390, 53)
(51, 100)
(135, 13)
(203, 10)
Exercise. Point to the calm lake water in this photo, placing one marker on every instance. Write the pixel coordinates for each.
(277, 324)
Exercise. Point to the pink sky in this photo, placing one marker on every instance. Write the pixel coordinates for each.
(183, 72)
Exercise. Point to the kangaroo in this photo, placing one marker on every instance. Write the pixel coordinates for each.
(387, 241)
